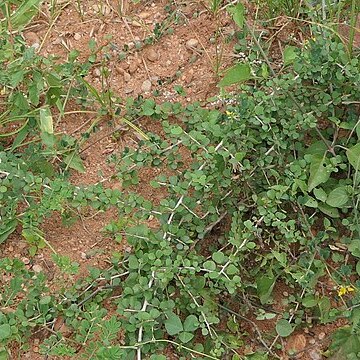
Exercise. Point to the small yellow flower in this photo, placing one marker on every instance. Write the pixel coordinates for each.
(343, 290)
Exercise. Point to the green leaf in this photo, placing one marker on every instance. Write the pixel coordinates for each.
(354, 248)
(236, 74)
(5, 331)
(284, 328)
(156, 357)
(338, 197)
(185, 337)
(353, 155)
(264, 286)
(173, 324)
(74, 161)
(45, 300)
(218, 257)
(4, 234)
(289, 55)
(191, 323)
(4, 355)
(320, 194)
(23, 14)
(329, 211)
(324, 307)
(309, 301)
(209, 265)
(177, 130)
(319, 172)
(358, 267)
(46, 121)
(238, 14)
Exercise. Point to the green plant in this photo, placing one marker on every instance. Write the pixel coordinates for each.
(253, 196)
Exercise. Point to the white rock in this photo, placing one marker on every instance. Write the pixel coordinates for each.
(146, 86)
(37, 268)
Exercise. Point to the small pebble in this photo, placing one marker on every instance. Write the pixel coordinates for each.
(321, 336)
(83, 256)
(33, 40)
(128, 90)
(127, 77)
(146, 86)
(133, 67)
(312, 341)
(315, 355)
(192, 44)
(77, 36)
(152, 55)
(11, 248)
(102, 9)
(25, 260)
(144, 15)
(37, 268)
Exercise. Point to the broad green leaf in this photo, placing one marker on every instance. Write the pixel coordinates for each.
(236, 74)
(353, 155)
(320, 194)
(173, 324)
(319, 172)
(218, 257)
(318, 147)
(210, 265)
(191, 323)
(74, 161)
(289, 55)
(185, 337)
(264, 286)
(338, 197)
(311, 202)
(45, 300)
(46, 121)
(238, 14)
(176, 130)
(354, 248)
(284, 328)
(329, 210)
(309, 301)
(5, 331)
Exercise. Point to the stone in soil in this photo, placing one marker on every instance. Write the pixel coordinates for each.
(146, 86)
(133, 66)
(152, 55)
(192, 44)
(32, 39)
(315, 355)
(37, 268)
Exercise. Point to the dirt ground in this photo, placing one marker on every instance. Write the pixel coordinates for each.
(190, 53)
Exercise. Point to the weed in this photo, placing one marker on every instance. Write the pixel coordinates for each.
(262, 193)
